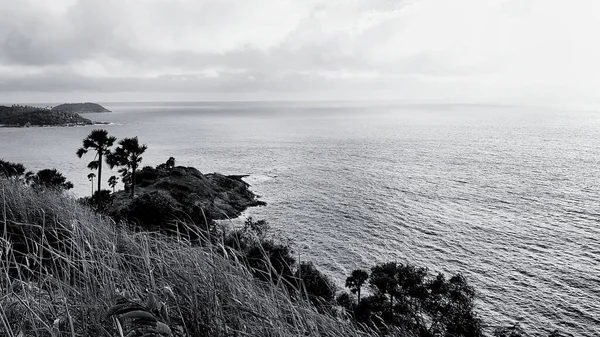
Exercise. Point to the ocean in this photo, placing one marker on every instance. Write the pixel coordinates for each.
(506, 195)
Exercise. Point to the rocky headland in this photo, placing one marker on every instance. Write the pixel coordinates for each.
(164, 195)
(81, 108)
(23, 116)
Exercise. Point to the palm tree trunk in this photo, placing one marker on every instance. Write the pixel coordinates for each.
(99, 180)
(92, 180)
(133, 180)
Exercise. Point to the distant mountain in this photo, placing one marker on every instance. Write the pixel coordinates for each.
(18, 115)
(81, 107)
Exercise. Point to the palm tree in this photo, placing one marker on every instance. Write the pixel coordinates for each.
(127, 154)
(112, 182)
(91, 177)
(100, 142)
(356, 281)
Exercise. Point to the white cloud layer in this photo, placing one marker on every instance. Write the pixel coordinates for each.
(511, 51)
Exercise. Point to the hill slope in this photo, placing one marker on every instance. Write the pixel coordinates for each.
(81, 267)
(81, 107)
(32, 116)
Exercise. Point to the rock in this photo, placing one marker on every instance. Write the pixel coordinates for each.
(182, 193)
(81, 107)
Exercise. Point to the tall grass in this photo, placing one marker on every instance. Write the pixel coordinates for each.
(64, 269)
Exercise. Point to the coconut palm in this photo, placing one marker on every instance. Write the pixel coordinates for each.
(112, 182)
(127, 154)
(91, 177)
(100, 142)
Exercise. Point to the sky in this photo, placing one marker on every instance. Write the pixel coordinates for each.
(543, 52)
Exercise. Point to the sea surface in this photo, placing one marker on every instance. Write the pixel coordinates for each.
(509, 196)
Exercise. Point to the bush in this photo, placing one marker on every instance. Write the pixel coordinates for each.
(406, 297)
(319, 288)
(10, 170)
(151, 211)
(146, 176)
(49, 179)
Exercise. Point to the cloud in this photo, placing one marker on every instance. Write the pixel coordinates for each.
(274, 49)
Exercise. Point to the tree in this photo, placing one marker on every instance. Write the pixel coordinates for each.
(406, 297)
(170, 163)
(356, 280)
(112, 182)
(91, 177)
(100, 142)
(319, 288)
(50, 179)
(129, 155)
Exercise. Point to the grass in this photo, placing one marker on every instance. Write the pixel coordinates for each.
(82, 275)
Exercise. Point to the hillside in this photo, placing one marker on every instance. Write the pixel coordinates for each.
(69, 272)
(81, 107)
(17, 115)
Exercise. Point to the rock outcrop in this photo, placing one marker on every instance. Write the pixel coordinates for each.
(21, 116)
(81, 107)
(182, 193)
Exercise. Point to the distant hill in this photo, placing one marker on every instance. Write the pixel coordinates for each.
(18, 115)
(80, 107)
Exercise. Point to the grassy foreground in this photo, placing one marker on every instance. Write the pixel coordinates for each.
(66, 271)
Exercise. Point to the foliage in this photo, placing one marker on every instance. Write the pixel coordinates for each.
(406, 297)
(151, 211)
(112, 182)
(50, 179)
(128, 155)
(356, 280)
(146, 176)
(319, 288)
(11, 170)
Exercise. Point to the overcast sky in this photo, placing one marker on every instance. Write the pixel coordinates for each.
(494, 51)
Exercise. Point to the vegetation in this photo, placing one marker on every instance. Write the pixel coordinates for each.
(128, 155)
(100, 142)
(91, 177)
(49, 179)
(18, 115)
(406, 297)
(80, 107)
(112, 182)
(74, 273)
(11, 170)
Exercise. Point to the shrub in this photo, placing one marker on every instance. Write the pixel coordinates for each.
(152, 211)
(319, 288)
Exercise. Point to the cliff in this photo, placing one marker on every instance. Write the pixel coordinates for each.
(17, 115)
(81, 107)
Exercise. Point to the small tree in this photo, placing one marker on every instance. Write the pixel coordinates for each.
(127, 154)
(356, 280)
(50, 179)
(91, 177)
(100, 142)
(10, 170)
(319, 288)
(112, 182)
